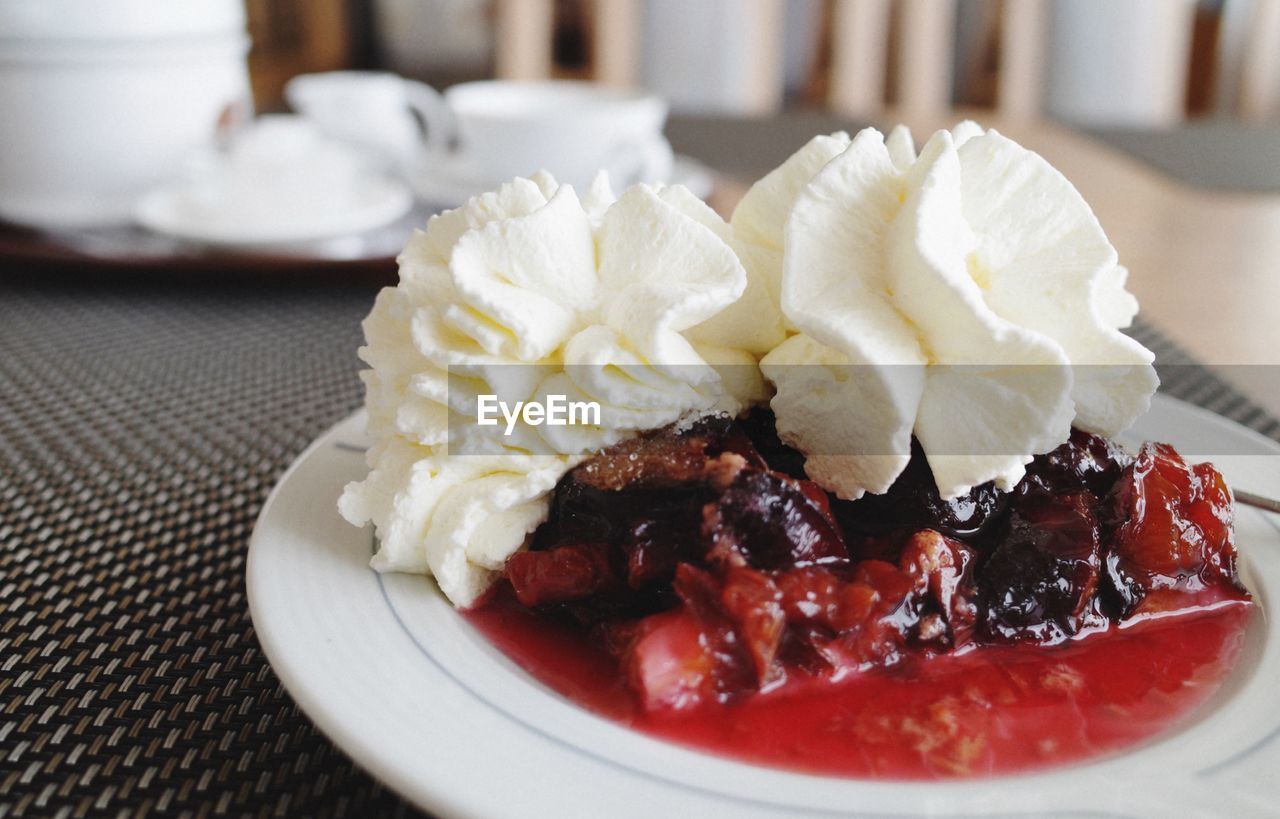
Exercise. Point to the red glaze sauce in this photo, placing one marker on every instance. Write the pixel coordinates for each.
(992, 710)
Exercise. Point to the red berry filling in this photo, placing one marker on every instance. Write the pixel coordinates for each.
(706, 563)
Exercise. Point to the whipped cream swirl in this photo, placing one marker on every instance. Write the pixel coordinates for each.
(966, 295)
(523, 293)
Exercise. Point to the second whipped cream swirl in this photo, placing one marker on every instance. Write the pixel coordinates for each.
(966, 295)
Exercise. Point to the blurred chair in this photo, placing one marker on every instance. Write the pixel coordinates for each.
(525, 30)
(923, 55)
(446, 40)
(1133, 72)
(292, 37)
(860, 50)
(524, 39)
(1249, 59)
(1245, 57)
(859, 31)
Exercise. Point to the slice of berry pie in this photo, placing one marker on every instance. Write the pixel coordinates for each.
(851, 502)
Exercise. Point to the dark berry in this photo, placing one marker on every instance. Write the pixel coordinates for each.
(1039, 583)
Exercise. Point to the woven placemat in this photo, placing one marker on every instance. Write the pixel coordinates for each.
(140, 432)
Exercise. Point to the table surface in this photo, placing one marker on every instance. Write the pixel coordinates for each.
(143, 423)
(1219, 154)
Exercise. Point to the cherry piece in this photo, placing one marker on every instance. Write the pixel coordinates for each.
(851, 624)
(691, 655)
(563, 574)
(769, 521)
(942, 568)
(913, 503)
(1039, 583)
(1085, 461)
(1172, 537)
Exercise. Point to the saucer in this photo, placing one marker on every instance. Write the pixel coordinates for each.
(280, 181)
(375, 203)
(449, 185)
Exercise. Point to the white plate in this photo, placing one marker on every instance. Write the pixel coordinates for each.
(445, 186)
(378, 202)
(404, 685)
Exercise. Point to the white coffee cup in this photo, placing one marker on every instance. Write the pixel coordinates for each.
(501, 129)
(377, 110)
(103, 99)
(480, 134)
